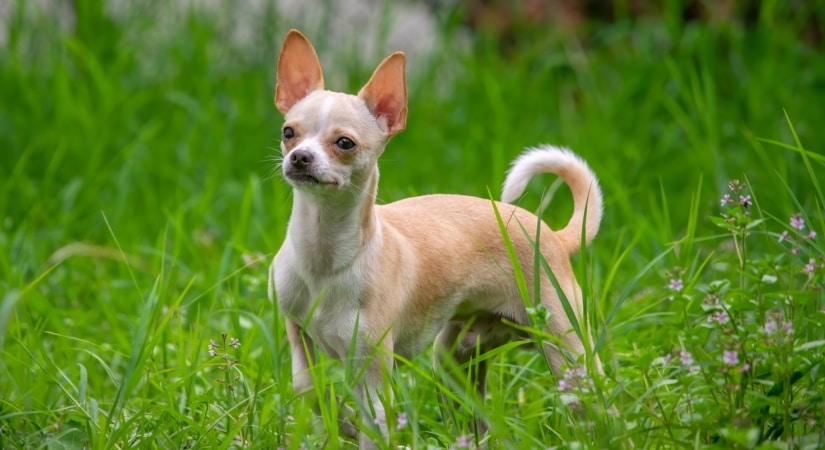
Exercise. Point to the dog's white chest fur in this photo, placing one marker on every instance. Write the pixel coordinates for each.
(325, 306)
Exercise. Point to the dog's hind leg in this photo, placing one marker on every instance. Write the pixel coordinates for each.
(457, 346)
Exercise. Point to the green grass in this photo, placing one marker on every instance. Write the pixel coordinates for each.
(140, 207)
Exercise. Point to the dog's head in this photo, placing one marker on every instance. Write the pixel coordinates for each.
(331, 141)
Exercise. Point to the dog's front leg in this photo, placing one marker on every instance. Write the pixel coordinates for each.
(370, 392)
(303, 352)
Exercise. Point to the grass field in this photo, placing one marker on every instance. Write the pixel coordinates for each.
(141, 204)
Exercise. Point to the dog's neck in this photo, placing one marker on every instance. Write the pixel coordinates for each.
(329, 232)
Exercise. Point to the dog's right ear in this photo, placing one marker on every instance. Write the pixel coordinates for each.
(299, 71)
(386, 93)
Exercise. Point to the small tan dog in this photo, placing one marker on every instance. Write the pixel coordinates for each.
(363, 281)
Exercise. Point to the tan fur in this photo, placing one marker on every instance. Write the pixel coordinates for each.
(394, 278)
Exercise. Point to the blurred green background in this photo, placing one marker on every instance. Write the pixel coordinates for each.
(151, 124)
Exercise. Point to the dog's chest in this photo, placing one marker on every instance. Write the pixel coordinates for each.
(325, 307)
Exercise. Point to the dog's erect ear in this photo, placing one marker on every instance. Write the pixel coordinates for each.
(386, 93)
(299, 71)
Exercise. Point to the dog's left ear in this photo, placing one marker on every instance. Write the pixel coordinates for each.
(299, 71)
(386, 93)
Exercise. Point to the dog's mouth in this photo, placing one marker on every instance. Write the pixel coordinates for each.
(301, 178)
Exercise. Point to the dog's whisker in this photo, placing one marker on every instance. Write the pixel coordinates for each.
(272, 163)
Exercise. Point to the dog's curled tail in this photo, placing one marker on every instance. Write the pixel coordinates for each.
(587, 196)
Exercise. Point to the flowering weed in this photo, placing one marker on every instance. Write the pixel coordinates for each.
(227, 365)
(743, 375)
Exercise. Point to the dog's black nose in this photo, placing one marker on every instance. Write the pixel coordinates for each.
(300, 159)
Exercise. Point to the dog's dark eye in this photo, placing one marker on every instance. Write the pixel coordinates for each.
(345, 143)
(288, 133)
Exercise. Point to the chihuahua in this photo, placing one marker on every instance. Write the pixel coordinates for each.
(364, 282)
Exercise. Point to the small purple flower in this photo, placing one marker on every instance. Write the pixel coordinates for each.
(730, 357)
(463, 441)
(401, 421)
(745, 200)
(810, 267)
(574, 378)
(798, 222)
(775, 323)
(676, 284)
(685, 358)
(725, 200)
(580, 372)
(770, 326)
(783, 236)
(687, 361)
(720, 317)
(810, 235)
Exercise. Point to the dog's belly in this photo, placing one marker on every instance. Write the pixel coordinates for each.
(485, 331)
(479, 319)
